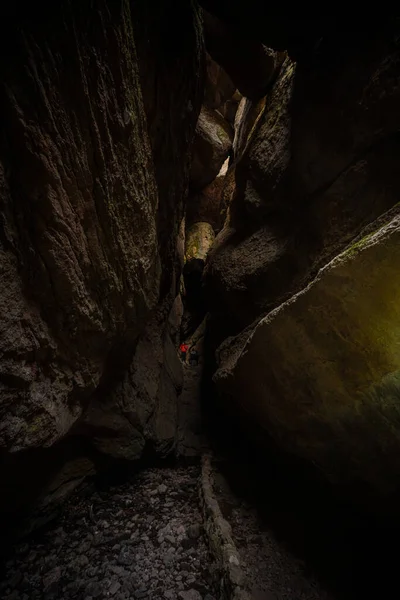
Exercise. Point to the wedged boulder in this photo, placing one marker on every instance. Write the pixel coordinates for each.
(319, 166)
(250, 65)
(211, 148)
(219, 86)
(199, 239)
(207, 206)
(94, 168)
(321, 373)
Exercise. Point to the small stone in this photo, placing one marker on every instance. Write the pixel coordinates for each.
(194, 531)
(82, 561)
(162, 488)
(94, 589)
(51, 579)
(168, 558)
(124, 559)
(170, 539)
(115, 586)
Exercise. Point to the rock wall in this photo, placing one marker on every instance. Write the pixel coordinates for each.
(98, 111)
(317, 169)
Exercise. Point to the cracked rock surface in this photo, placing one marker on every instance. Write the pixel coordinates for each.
(142, 539)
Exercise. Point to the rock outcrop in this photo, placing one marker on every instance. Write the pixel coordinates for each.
(319, 167)
(94, 163)
(208, 205)
(219, 86)
(306, 184)
(321, 372)
(211, 148)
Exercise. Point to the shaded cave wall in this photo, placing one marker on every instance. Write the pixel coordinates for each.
(98, 111)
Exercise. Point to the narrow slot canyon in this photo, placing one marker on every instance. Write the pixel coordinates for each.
(199, 326)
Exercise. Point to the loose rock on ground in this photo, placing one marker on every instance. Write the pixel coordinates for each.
(143, 539)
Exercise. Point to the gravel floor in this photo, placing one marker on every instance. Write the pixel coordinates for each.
(139, 540)
(271, 572)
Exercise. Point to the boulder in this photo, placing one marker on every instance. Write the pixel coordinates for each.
(319, 166)
(304, 355)
(229, 108)
(199, 239)
(321, 373)
(211, 148)
(142, 407)
(207, 206)
(219, 86)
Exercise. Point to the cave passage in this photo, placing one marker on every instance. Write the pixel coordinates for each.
(199, 302)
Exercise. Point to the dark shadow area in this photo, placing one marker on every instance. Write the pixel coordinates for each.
(22, 512)
(194, 300)
(346, 537)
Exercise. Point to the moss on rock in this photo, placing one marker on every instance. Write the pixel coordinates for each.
(322, 372)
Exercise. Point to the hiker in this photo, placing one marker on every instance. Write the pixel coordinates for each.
(183, 348)
(193, 357)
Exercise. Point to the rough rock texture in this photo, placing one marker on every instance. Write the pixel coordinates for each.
(320, 166)
(250, 65)
(91, 201)
(321, 372)
(143, 539)
(199, 239)
(246, 117)
(306, 184)
(211, 147)
(219, 535)
(80, 263)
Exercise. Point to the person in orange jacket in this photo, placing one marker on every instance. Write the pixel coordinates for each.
(183, 349)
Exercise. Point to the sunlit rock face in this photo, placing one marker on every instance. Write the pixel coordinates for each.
(94, 166)
(211, 148)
